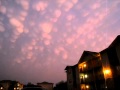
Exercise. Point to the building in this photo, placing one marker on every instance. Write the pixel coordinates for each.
(72, 77)
(97, 70)
(90, 71)
(10, 85)
(111, 64)
(46, 85)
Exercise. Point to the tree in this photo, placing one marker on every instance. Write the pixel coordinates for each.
(61, 86)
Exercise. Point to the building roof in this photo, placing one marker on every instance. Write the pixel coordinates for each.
(67, 67)
(115, 42)
(87, 53)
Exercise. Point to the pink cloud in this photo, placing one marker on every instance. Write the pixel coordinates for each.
(15, 22)
(24, 4)
(32, 23)
(30, 47)
(65, 56)
(3, 9)
(74, 1)
(2, 29)
(18, 61)
(85, 13)
(69, 40)
(68, 5)
(56, 51)
(46, 36)
(70, 17)
(23, 13)
(26, 30)
(47, 42)
(33, 42)
(46, 27)
(40, 6)
(20, 30)
(21, 18)
(61, 51)
(95, 5)
(61, 1)
(57, 13)
(41, 48)
(29, 55)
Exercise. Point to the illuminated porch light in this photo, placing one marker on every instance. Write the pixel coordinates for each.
(107, 71)
(18, 88)
(86, 76)
(84, 65)
(1, 88)
(87, 86)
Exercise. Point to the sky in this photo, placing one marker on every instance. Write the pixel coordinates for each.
(39, 38)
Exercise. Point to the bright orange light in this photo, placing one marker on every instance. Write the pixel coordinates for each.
(107, 71)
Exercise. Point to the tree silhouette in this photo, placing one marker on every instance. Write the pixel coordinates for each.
(61, 86)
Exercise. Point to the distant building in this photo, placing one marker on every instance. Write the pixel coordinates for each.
(97, 70)
(10, 85)
(46, 85)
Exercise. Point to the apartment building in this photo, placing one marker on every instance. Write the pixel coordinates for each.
(72, 77)
(97, 70)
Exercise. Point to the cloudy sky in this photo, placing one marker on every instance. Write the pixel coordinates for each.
(39, 38)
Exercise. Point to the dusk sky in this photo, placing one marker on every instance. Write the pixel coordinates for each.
(39, 38)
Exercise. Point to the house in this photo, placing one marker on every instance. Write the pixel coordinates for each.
(97, 70)
(46, 85)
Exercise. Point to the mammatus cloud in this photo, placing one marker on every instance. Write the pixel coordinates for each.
(24, 4)
(17, 24)
(46, 27)
(40, 6)
(2, 9)
(41, 36)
